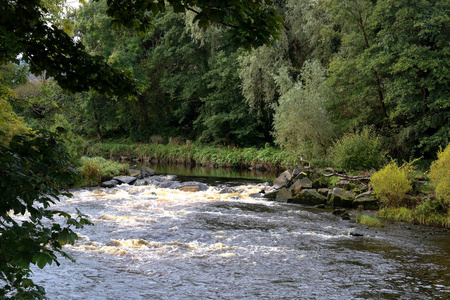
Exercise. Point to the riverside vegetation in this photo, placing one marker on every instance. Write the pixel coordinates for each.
(402, 193)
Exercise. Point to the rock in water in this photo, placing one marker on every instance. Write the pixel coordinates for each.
(145, 172)
(193, 187)
(283, 180)
(110, 183)
(309, 197)
(125, 179)
(134, 172)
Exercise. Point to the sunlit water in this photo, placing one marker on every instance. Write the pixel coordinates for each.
(156, 243)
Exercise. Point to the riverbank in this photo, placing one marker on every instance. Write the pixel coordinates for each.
(192, 153)
(318, 187)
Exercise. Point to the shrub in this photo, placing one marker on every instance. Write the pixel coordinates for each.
(440, 176)
(94, 170)
(391, 185)
(358, 151)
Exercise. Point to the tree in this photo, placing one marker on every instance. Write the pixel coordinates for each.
(225, 118)
(301, 118)
(34, 168)
(24, 30)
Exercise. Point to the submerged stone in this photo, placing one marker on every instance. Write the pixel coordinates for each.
(193, 187)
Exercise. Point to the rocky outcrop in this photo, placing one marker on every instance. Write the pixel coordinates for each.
(301, 186)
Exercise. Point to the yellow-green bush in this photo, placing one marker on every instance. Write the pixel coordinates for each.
(391, 185)
(440, 176)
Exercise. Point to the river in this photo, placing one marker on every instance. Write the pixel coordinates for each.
(150, 242)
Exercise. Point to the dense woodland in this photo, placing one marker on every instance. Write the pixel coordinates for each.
(336, 68)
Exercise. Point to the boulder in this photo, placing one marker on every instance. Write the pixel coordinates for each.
(366, 202)
(309, 197)
(145, 172)
(193, 187)
(304, 183)
(283, 180)
(125, 179)
(283, 195)
(134, 172)
(300, 173)
(341, 198)
(323, 191)
(110, 183)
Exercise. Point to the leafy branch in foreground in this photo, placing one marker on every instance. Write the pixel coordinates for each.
(34, 168)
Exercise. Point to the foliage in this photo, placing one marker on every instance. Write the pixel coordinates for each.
(25, 30)
(358, 151)
(250, 22)
(11, 124)
(301, 116)
(432, 212)
(403, 214)
(34, 169)
(94, 170)
(424, 214)
(368, 221)
(391, 185)
(440, 176)
(224, 117)
(267, 157)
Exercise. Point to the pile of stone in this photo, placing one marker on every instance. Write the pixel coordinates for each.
(146, 176)
(302, 186)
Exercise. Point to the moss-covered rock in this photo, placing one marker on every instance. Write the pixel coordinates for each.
(283, 195)
(309, 197)
(341, 198)
(367, 202)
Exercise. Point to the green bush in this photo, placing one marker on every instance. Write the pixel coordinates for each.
(94, 170)
(440, 176)
(358, 151)
(391, 185)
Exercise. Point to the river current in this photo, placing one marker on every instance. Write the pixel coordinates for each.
(151, 242)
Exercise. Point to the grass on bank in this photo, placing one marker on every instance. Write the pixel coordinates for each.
(267, 157)
(95, 170)
(368, 221)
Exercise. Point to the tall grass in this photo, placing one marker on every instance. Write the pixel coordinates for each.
(176, 151)
(94, 170)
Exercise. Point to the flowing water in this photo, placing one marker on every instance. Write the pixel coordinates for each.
(150, 242)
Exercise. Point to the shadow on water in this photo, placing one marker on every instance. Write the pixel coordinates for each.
(211, 175)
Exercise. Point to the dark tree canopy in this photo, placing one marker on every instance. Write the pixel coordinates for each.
(24, 31)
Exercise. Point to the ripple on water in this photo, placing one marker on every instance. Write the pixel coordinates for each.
(158, 243)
